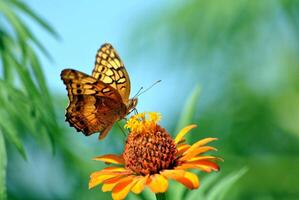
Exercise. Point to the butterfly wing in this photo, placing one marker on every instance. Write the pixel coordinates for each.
(110, 69)
(94, 106)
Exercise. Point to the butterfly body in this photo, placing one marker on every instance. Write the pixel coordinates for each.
(99, 100)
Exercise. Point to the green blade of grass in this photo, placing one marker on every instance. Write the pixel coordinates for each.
(38, 72)
(12, 136)
(22, 31)
(220, 189)
(189, 109)
(22, 6)
(13, 21)
(185, 119)
(7, 124)
(215, 187)
(3, 165)
(206, 184)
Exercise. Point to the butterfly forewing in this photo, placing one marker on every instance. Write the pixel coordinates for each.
(110, 69)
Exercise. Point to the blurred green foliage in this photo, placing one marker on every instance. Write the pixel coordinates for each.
(26, 105)
(243, 54)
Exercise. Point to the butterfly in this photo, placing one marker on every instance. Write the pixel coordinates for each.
(96, 102)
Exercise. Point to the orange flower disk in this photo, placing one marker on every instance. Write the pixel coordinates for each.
(151, 157)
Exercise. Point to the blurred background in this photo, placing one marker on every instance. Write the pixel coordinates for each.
(231, 67)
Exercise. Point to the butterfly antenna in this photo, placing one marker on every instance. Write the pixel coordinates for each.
(155, 83)
(137, 94)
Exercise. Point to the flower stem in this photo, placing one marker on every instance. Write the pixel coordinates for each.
(160, 196)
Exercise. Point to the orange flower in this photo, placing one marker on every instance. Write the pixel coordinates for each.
(151, 157)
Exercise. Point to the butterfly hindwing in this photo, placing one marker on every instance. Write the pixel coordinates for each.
(94, 106)
(91, 114)
(110, 69)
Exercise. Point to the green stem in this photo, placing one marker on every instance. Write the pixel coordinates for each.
(160, 196)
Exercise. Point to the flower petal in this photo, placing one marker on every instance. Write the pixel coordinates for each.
(121, 190)
(190, 154)
(110, 158)
(204, 158)
(183, 132)
(157, 183)
(96, 180)
(108, 185)
(207, 163)
(202, 167)
(110, 170)
(182, 148)
(98, 177)
(114, 168)
(139, 185)
(200, 143)
(188, 179)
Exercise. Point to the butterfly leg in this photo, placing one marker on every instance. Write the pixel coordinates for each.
(135, 111)
(122, 130)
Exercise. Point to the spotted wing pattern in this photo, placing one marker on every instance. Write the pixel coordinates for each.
(94, 106)
(110, 69)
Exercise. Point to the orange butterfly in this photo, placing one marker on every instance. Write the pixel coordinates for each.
(99, 100)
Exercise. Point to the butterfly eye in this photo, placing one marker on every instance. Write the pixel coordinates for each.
(132, 104)
(135, 101)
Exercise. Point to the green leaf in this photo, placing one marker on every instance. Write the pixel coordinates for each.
(189, 109)
(160, 196)
(8, 75)
(215, 187)
(38, 19)
(32, 110)
(11, 135)
(45, 121)
(22, 31)
(185, 119)
(206, 184)
(25, 77)
(38, 72)
(178, 188)
(220, 189)
(13, 20)
(35, 41)
(3, 166)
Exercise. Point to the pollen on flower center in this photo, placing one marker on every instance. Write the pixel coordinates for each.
(149, 147)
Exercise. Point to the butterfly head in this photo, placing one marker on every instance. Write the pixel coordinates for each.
(132, 104)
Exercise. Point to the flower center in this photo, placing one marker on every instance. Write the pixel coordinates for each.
(150, 151)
